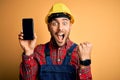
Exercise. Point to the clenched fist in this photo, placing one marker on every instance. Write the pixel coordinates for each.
(85, 49)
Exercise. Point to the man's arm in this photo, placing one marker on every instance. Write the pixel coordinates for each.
(85, 73)
(28, 68)
(85, 55)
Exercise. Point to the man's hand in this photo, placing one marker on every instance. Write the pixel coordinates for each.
(27, 45)
(85, 50)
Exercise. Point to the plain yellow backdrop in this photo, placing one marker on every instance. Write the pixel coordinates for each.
(96, 21)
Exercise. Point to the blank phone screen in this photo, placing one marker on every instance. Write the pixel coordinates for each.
(27, 24)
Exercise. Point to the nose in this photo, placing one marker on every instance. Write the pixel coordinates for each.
(60, 27)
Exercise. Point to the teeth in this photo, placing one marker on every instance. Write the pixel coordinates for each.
(60, 34)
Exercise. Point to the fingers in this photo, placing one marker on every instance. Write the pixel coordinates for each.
(85, 50)
(35, 36)
(20, 36)
(85, 44)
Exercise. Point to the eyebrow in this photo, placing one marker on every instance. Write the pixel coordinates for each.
(65, 19)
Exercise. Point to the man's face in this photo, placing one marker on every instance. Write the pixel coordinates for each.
(60, 30)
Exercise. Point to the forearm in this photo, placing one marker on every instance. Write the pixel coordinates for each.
(85, 73)
(28, 68)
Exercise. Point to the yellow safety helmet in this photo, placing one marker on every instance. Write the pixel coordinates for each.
(59, 8)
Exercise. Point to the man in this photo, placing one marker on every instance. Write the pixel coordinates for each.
(60, 58)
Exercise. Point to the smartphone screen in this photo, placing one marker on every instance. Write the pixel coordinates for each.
(27, 25)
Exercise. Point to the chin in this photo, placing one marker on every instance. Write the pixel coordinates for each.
(61, 44)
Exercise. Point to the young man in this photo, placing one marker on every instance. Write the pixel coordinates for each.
(60, 58)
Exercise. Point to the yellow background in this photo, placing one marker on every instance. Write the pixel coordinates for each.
(97, 21)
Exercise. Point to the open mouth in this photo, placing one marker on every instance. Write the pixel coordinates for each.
(60, 37)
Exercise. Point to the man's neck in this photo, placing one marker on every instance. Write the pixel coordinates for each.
(54, 44)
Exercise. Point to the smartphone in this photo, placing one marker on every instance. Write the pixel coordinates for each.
(28, 28)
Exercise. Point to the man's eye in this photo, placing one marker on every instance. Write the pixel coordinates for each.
(64, 23)
(54, 24)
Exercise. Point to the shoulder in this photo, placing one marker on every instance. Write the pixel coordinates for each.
(39, 53)
(74, 44)
(40, 47)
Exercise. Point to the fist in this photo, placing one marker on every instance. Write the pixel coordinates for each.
(85, 49)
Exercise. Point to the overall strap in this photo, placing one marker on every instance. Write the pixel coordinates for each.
(47, 54)
(68, 54)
